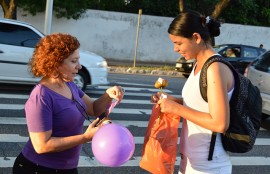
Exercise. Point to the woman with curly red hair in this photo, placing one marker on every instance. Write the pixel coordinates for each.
(57, 108)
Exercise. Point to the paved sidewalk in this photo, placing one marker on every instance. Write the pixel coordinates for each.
(131, 70)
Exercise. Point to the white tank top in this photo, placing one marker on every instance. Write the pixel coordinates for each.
(195, 140)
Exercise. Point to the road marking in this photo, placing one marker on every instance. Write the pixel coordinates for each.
(16, 138)
(12, 106)
(126, 123)
(129, 93)
(135, 89)
(115, 110)
(134, 84)
(128, 101)
(25, 96)
(14, 96)
(85, 161)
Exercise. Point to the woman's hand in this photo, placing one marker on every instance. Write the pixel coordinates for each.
(167, 106)
(159, 95)
(115, 92)
(154, 98)
(91, 130)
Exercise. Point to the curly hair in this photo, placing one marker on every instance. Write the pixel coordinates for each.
(50, 53)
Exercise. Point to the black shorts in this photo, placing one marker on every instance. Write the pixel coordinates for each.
(23, 165)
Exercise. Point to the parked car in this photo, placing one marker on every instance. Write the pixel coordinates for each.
(184, 66)
(259, 74)
(17, 43)
(244, 55)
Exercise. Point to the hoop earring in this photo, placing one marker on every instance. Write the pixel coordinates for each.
(55, 75)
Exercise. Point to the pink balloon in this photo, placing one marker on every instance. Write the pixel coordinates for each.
(113, 145)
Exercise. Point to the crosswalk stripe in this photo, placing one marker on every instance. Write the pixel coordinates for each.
(26, 96)
(126, 101)
(137, 101)
(85, 161)
(15, 138)
(127, 93)
(136, 89)
(21, 96)
(115, 110)
(127, 123)
(14, 96)
(135, 84)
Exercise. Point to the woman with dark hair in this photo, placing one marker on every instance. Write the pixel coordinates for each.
(57, 108)
(191, 35)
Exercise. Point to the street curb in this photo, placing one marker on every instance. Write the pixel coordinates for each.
(128, 70)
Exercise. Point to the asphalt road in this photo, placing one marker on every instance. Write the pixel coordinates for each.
(133, 112)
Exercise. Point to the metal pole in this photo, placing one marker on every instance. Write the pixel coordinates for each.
(48, 17)
(137, 35)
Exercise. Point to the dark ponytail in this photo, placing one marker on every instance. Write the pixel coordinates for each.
(190, 22)
(213, 28)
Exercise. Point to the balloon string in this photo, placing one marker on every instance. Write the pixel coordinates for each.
(159, 114)
(111, 106)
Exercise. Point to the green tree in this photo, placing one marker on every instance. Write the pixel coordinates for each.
(67, 8)
(108, 5)
(247, 12)
(250, 12)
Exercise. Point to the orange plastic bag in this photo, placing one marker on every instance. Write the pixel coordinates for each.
(160, 143)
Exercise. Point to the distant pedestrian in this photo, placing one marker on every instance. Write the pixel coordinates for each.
(57, 108)
(261, 46)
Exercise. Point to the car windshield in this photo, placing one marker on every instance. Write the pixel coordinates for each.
(219, 48)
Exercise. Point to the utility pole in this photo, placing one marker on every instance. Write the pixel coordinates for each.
(137, 35)
(48, 17)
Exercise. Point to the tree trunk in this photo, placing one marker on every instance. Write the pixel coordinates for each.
(9, 8)
(181, 5)
(219, 7)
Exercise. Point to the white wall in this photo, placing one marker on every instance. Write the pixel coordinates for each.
(112, 35)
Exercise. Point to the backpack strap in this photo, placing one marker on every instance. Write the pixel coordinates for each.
(203, 75)
(203, 90)
(212, 146)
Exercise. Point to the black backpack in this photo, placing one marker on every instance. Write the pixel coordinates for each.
(245, 111)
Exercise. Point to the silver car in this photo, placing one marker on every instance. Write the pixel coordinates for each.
(17, 43)
(259, 74)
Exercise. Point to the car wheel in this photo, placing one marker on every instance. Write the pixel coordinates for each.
(80, 80)
(264, 116)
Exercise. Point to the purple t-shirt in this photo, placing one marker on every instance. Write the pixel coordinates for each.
(47, 110)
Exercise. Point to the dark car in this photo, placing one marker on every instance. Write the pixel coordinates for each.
(184, 66)
(243, 55)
